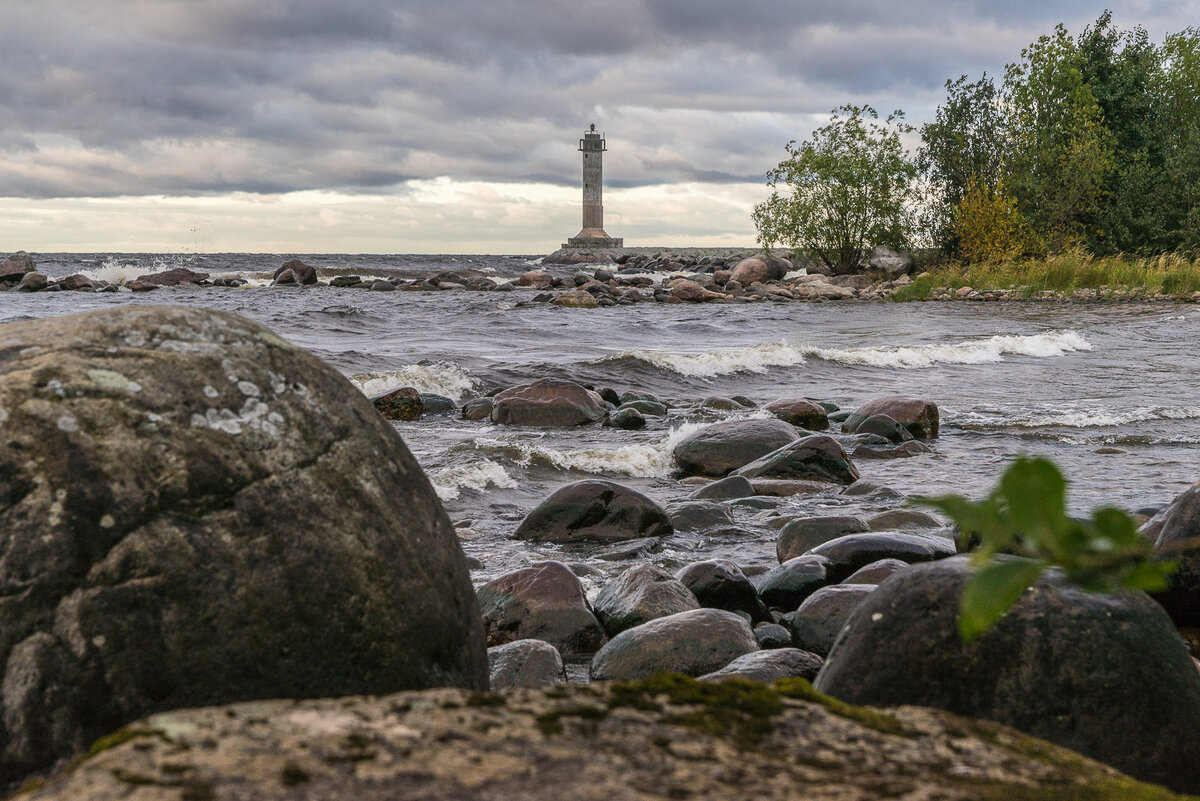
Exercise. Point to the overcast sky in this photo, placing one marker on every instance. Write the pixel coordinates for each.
(452, 125)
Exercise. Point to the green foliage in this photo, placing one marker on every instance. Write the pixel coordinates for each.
(849, 187)
(1022, 528)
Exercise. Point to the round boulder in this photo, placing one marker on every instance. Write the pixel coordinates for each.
(788, 585)
(641, 594)
(801, 413)
(853, 551)
(801, 535)
(876, 572)
(16, 266)
(550, 402)
(542, 602)
(767, 666)
(728, 488)
(1105, 675)
(720, 584)
(301, 272)
(525, 663)
(594, 509)
(819, 458)
(919, 416)
(1175, 531)
(758, 269)
(694, 643)
(403, 404)
(190, 518)
(817, 622)
(721, 448)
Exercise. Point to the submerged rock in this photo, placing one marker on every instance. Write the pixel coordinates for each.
(541, 602)
(550, 402)
(693, 643)
(1106, 675)
(594, 509)
(189, 518)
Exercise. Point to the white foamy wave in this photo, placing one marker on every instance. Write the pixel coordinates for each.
(1074, 417)
(114, 271)
(978, 351)
(449, 483)
(440, 378)
(755, 359)
(758, 358)
(647, 460)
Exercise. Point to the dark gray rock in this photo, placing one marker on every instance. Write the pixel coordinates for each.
(903, 451)
(1105, 675)
(190, 517)
(869, 489)
(641, 594)
(720, 584)
(699, 515)
(726, 488)
(721, 448)
(694, 643)
(550, 402)
(594, 509)
(767, 666)
(817, 622)
(818, 457)
(904, 520)
(379, 285)
(853, 551)
(772, 635)
(876, 572)
(884, 426)
(801, 535)
(652, 408)
(477, 409)
(343, 281)
(525, 663)
(32, 282)
(432, 403)
(789, 584)
(403, 404)
(626, 419)
(801, 413)
(919, 416)
(541, 602)
(1174, 531)
(173, 277)
(301, 272)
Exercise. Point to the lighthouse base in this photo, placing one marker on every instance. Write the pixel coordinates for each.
(594, 238)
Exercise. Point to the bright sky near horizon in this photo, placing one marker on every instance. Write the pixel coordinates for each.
(402, 126)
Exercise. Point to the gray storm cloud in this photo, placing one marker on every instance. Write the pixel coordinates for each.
(181, 97)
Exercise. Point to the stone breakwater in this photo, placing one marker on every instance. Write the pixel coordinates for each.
(625, 277)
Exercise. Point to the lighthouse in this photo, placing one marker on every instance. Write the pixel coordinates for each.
(592, 145)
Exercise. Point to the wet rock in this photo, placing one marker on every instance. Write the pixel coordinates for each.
(903, 520)
(1105, 675)
(525, 663)
(626, 419)
(789, 584)
(876, 572)
(477, 409)
(853, 551)
(801, 413)
(15, 267)
(919, 416)
(699, 515)
(536, 278)
(382, 286)
(594, 509)
(693, 643)
(784, 488)
(193, 519)
(342, 281)
(869, 489)
(817, 457)
(725, 489)
(641, 594)
(767, 666)
(550, 402)
(433, 403)
(883, 425)
(32, 282)
(400, 404)
(817, 622)
(721, 404)
(173, 277)
(542, 602)
(303, 273)
(720, 584)
(803, 534)
(649, 407)
(772, 635)
(903, 451)
(1174, 531)
(577, 299)
(76, 282)
(820, 290)
(721, 448)
(689, 291)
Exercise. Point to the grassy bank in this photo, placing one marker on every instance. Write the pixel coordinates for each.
(1169, 274)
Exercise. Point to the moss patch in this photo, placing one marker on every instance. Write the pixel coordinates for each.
(550, 723)
(119, 737)
(739, 710)
(871, 718)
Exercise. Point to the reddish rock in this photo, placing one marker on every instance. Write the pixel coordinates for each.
(550, 402)
(917, 415)
(543, 602)
(801, 413)
(400, 404)
(536, 278)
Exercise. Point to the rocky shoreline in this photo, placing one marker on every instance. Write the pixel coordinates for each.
(627, 277)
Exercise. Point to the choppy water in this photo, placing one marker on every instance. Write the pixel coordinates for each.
(1054, 379)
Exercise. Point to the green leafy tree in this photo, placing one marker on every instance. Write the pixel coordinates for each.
(963, 148)
(1022, 528)
(850, 186)
(1060, 152)
(1177, 89)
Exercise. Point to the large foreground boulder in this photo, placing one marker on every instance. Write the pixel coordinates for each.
(196, 512)
(594, 509)
(667, 737)
(694, 643)
(1105, 675)
(548, 403)
(721, 448)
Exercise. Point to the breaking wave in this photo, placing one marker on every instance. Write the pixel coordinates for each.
(759, 358)
(450, 482)
(441, 378)
(1072, 418)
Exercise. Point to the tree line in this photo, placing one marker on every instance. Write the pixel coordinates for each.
(1088, 141)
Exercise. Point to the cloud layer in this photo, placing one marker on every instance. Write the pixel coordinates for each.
(118, 98)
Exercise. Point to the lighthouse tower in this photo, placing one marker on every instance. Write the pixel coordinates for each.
(592, 146)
